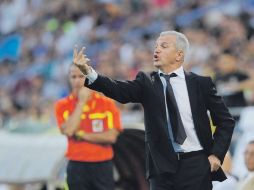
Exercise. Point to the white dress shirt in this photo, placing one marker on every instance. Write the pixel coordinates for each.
(92, 76)
(179, 86)
(178, 83)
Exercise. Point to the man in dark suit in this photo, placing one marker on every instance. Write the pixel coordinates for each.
(181, 151)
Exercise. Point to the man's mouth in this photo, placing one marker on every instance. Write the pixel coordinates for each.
(155, 57)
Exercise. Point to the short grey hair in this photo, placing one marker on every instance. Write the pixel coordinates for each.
(182, 42)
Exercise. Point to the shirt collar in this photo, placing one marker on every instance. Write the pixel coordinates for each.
(179, 71)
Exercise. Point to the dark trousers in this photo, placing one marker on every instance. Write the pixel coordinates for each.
(90, 176)
(193, 174)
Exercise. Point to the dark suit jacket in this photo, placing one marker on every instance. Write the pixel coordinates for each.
(147, 89)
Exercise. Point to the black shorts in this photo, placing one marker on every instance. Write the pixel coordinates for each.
(90, 175)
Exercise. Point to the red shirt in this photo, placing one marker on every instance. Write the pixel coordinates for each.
(99, 114)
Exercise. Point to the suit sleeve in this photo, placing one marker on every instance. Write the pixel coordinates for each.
(221, 118)
(121, 91)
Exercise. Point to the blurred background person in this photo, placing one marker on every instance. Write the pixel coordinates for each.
(248, 182)
(229, 74)
(91, 123)
(245, 126)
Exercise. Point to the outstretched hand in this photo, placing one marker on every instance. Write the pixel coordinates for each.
(81, 61)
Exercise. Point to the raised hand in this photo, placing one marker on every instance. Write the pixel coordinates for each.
(81, 61)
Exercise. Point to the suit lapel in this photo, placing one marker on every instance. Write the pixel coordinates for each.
(157, 85)
(192, 88)
(158, 89)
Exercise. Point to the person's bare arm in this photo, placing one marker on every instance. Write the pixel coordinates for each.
(247, 84)
(107, 137)
(71, 125)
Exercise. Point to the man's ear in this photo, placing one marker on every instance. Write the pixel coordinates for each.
(179, 55)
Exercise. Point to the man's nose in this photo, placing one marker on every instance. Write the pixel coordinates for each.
(157, 50)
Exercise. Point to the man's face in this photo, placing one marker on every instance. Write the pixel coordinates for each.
(165, 52)
(76, 78)
(249, 157)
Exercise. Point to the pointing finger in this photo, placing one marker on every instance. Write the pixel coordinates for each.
(75, 51)
(80, 54)
(81, 51)
(87, 61)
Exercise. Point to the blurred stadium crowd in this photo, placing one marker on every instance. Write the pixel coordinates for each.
(37, 38)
